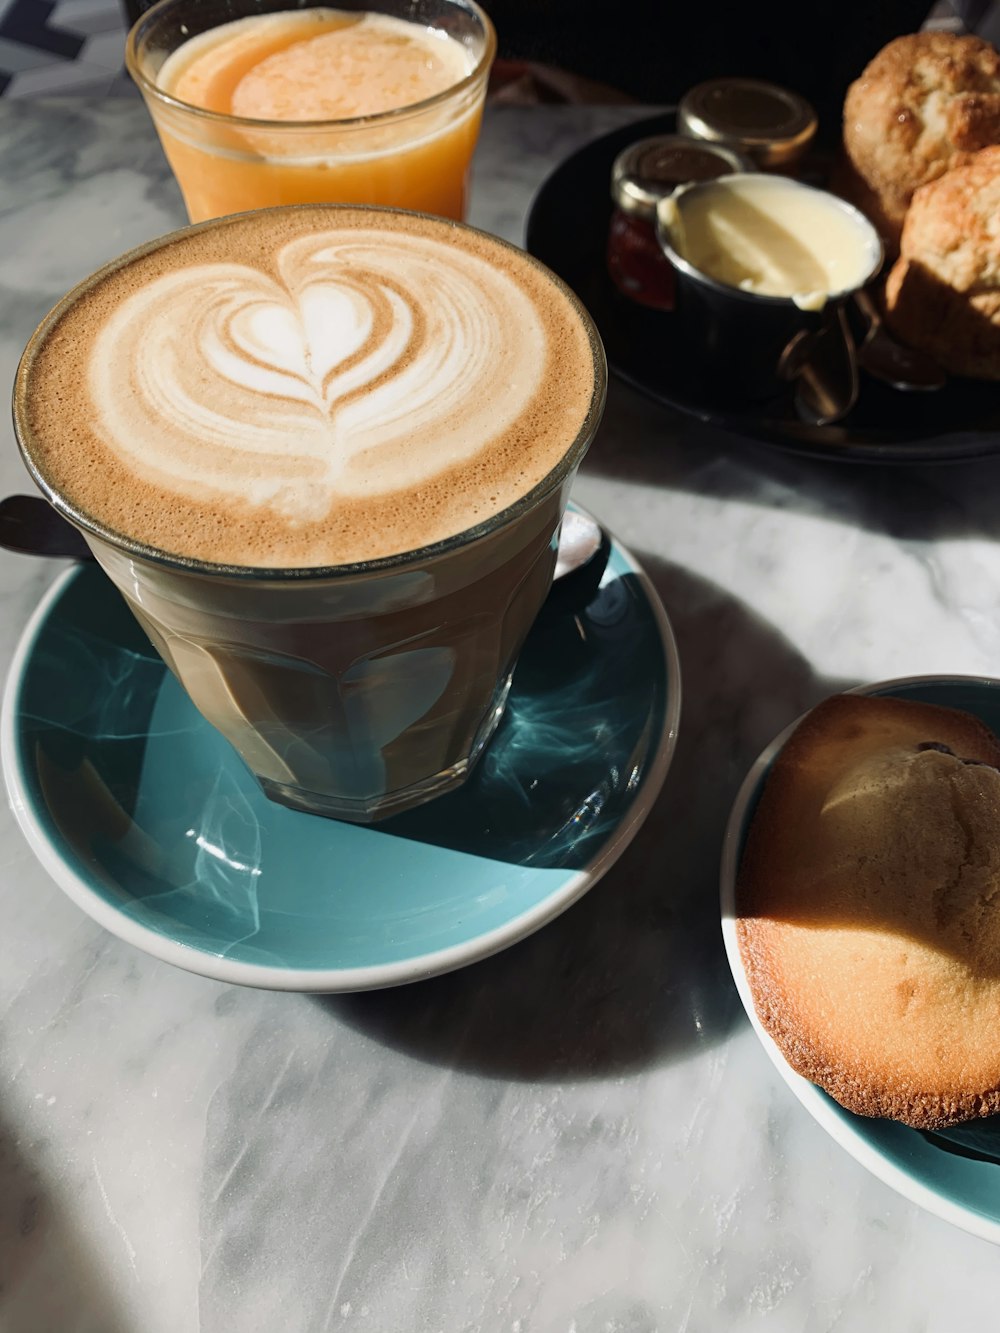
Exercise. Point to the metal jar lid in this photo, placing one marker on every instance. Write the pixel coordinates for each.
(650, 169)
(771, 124)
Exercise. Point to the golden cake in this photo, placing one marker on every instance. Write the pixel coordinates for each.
(868, 908)
(943, 293)
(924, 104)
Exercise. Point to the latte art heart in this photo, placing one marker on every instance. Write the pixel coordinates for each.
(351, 369)
(306, 387)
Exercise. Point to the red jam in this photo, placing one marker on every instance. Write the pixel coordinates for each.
(642, 174)
(638, 267)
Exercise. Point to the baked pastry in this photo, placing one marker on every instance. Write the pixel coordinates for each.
(943, 293)
(868, 906)
(922, 106)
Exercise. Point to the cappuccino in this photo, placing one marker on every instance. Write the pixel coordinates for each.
(324, 454)
(306, 387)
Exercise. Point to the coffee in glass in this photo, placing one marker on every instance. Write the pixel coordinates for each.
(324, 453)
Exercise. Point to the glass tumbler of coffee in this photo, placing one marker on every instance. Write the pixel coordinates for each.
(324, 453)
(266, 102)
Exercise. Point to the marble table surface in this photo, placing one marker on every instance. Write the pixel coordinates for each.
(581, 1133)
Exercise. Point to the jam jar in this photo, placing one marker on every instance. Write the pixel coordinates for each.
(644, 173)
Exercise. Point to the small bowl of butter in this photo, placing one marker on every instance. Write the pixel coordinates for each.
(760, 259)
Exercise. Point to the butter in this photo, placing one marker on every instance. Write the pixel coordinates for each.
(771, 236)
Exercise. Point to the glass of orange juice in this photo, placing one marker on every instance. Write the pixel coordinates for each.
(262, 102)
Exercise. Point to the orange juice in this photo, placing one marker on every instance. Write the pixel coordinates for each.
(318, 105)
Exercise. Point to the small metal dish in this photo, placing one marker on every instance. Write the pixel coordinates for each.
(744, 334)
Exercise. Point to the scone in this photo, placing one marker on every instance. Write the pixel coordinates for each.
(924, 103)
(943, 293)
(868, 906)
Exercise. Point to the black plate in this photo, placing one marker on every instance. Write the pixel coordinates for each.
(567, 229)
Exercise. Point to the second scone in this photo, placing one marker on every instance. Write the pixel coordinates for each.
(943, 293)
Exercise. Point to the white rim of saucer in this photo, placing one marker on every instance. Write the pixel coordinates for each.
(816, 1102)
(333, 980)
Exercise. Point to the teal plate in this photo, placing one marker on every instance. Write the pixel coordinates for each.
(954, 1173)
(150, 822)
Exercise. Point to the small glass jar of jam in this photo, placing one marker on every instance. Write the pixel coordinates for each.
(769, 124)
(643, 174)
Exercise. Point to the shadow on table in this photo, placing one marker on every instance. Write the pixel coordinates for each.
(51, 1274)
(635, 973)
(646, 443)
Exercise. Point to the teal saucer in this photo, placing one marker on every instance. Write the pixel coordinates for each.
(150, 822)
(954, 1173)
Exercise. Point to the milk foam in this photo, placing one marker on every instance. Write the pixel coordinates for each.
(308, 386)
(360, 369)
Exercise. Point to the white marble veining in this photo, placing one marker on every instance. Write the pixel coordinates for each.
(581, 1133)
